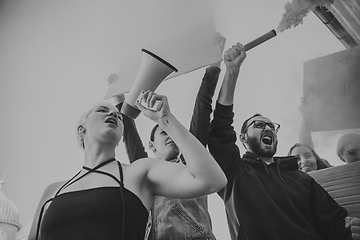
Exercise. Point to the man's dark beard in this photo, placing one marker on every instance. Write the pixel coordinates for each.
(254, 145)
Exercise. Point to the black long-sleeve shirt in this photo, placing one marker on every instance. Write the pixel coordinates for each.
(275, 201)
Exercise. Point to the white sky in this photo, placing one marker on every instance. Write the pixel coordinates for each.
(55, 57)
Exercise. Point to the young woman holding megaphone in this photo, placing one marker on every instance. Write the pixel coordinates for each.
(107, 199)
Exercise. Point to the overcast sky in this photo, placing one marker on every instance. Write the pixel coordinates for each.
(56, 57)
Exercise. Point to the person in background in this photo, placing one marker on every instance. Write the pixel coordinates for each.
(107, 199)
(308, 159)
(348, 148)
(173, 218)
(267, 197)
(306, 140)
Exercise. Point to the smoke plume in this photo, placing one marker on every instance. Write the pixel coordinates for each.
(296, 10)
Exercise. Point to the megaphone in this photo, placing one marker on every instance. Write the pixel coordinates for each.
(153, 70)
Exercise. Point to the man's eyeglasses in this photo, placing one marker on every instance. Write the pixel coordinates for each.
(261, 125)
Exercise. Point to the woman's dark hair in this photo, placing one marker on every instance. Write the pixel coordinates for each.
(321, 163)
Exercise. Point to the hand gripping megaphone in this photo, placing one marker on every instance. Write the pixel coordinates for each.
(153, 70)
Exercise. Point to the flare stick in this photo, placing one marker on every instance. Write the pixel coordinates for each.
(260, 40)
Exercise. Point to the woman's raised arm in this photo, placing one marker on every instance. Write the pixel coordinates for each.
(201, 176)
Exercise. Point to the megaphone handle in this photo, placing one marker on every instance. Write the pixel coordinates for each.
(157, 104)
(156, 107)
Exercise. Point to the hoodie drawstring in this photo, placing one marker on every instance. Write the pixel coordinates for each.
(278, 170)
(265, 166)
(251, 155)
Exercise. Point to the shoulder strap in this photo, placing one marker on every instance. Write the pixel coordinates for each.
(68, 183)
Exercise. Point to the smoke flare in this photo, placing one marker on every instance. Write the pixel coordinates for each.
(296, 10)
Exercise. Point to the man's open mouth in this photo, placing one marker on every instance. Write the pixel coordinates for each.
(267, 139)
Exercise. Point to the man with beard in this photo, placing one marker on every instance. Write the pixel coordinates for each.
(267, 197)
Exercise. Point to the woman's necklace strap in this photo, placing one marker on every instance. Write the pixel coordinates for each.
(100, 165)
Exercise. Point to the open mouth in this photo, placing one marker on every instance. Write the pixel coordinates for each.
(170, 142)
(267, 139)
(305, 168)
(111, 120)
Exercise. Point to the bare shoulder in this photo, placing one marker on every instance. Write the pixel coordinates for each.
(51, 189)
(48, 193)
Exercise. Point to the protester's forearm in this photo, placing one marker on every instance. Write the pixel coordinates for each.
(222, 136)
(199, 161)
(305, 135)
(133, 144)
(200, 120)
(227, 90)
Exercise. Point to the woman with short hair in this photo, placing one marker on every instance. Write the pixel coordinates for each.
(107, 199)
